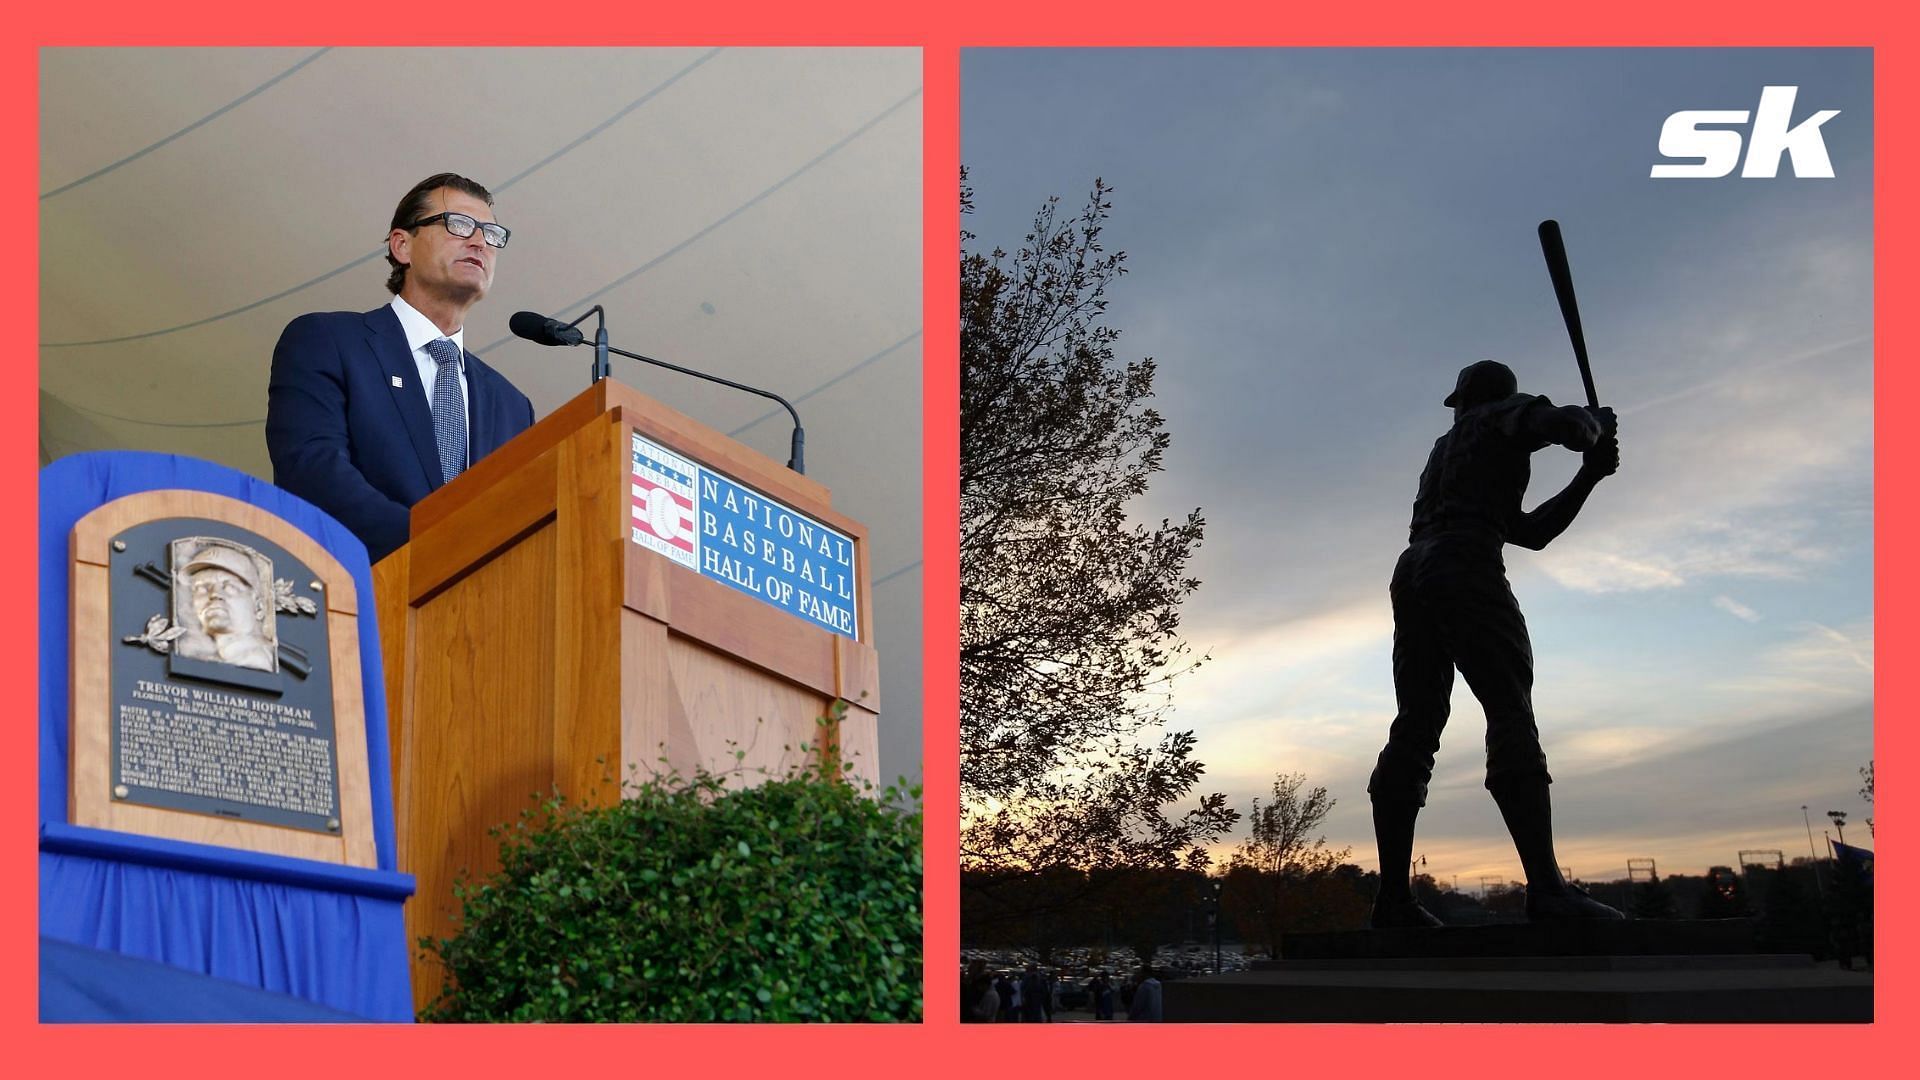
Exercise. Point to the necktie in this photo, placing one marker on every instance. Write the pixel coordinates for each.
(449, 408)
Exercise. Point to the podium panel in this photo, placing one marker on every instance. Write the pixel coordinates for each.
(549, 626)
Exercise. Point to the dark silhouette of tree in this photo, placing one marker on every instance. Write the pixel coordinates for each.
(1033, 913)
(1506, 903)
(1791, 918)
(1654, 900)
(1451, 906)
(1039, 913)
(1069, 611)
(1850, 912)
(1149, 908)
(1283, 878)
(1427, 891)
(1866, 792)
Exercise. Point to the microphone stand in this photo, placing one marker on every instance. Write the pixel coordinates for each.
(602, 368)
(797, 462)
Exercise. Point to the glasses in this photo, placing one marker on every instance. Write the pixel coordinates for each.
(462, 226)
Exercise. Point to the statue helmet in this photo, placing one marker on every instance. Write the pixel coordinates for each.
(1480, 382)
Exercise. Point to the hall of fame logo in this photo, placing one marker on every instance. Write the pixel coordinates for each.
(666, 503)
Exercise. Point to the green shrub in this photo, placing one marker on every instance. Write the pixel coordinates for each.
(798, 899)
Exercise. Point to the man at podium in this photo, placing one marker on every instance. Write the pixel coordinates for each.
(368, 413)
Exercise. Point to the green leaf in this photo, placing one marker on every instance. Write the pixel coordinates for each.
(632, 912)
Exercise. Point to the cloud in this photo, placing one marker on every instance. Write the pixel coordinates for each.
(1744, 374)
(1823, 650)
(1249, 673)
(1827, 643)
(1819, 663)
(1611, 747)
(1736, 609)
(1645, 556)
(1605, 571)
(1309, 640)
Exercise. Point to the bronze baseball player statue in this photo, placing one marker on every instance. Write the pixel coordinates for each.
(1452, 609)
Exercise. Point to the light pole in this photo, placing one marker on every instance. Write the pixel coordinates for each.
(1819, 890)
(1213, 918)
(1839, 823)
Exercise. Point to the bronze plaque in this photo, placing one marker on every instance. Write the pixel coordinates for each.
(216, 680)
(221, 697)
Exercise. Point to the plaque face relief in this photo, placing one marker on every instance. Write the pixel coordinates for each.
(728, 532)
(220, 690)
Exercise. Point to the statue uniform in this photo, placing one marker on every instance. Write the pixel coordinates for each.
(1452, 607)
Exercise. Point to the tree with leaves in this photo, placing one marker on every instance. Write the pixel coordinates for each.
(1070, 611)
(1792, 919)
(1282, 877)
(1866, 792)
(1146, 909)
(1654, 900)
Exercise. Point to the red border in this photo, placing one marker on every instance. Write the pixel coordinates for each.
(942, 1047)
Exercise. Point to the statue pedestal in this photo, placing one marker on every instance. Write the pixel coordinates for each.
(1646, 971)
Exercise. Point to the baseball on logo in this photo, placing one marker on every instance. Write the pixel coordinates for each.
(664, 515)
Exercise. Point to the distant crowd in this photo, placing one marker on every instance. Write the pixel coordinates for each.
(1034, 996)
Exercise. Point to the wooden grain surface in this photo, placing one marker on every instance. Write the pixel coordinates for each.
(478, 748)
(396, 644)
(720, 710)
(543, 648)
(730, 621)
(591, 503)
(485, 521)
(350, 729)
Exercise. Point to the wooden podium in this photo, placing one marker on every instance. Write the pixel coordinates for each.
(532, 643)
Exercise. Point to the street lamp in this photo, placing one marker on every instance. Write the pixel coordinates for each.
(1818, 889)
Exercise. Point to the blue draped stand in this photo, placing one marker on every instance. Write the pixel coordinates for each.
(233, 935)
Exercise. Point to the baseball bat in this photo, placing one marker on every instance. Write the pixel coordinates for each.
(1556, 252)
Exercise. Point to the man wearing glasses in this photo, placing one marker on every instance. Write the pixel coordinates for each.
(367, 413)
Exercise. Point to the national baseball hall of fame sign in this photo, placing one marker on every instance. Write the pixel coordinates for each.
(728, 532)
(216, 681)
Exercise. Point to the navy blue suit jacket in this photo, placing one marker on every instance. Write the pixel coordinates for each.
(348, 425)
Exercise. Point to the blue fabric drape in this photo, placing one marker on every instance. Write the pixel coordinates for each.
(330, 935)
(82, 985)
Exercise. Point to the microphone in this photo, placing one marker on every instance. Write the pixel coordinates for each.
(537, 328)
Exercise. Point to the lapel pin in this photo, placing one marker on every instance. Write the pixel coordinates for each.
(397, 382)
